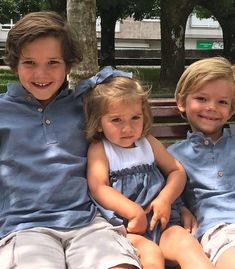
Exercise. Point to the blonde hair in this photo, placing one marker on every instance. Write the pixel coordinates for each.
(112, 90)
(201, 72)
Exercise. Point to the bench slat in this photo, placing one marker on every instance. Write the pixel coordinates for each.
(165, 111)
(175, 131)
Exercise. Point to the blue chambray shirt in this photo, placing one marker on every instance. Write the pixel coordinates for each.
(210, 188)
(42, 162)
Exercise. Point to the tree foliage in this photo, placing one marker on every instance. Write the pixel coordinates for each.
(58, 6)
(11, 9)
(202, 12)
(138, 9)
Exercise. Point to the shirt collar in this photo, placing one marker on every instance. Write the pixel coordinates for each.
(199, 137)
(17, 90)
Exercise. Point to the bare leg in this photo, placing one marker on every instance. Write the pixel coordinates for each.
(226, 260)
(149, 252)
(181, 247)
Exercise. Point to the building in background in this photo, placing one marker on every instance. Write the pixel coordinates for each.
(146, 34)
(4, 29)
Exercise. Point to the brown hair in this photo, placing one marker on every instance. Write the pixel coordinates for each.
(113, 90)
(41, 24)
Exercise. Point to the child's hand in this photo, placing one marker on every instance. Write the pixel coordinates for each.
(137, 224)
(188, 220)
(161, 211)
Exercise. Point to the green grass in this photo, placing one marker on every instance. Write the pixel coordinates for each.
(6, 73)
(5, 77)
(149, 77)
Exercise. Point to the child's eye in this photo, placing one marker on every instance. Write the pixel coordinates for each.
(53, 62)
(200, 98)
(116, 120)
(137, 117)
(28, 62)
(223, 102)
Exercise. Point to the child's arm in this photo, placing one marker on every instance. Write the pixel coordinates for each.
(108, 197)
(175, 182)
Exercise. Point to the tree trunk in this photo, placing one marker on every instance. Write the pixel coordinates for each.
(174, 15)
(81, 15)
(228, 27)
(107, 51)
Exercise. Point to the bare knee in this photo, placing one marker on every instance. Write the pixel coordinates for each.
(186, 242)
(152, 259)
(175, 241)
(150, 254)
(178, 238)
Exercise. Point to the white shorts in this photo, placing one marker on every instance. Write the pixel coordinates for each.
(98, 246)
(217, 240)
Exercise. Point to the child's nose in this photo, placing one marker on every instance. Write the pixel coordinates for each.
(40, 71)
(127, 128)
(211, 106)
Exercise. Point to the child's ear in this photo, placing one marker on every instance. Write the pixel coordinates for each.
(67, 70)
(100, 130)
(180, 103)
(231, 114)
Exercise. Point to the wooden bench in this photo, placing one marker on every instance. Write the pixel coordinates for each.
(168, 124)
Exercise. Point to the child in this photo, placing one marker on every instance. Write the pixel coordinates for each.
(47, 219)
(124, 163)
(205, 95)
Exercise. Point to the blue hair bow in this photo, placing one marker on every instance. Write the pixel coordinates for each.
(106, 73)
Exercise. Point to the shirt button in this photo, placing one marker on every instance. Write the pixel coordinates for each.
(206, 142)
(221, 173)
(40, 109)
(28, 98)
(48, 122)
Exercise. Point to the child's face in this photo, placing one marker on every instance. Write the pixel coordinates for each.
(123, 123)
(209, 108)
(41, 68)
